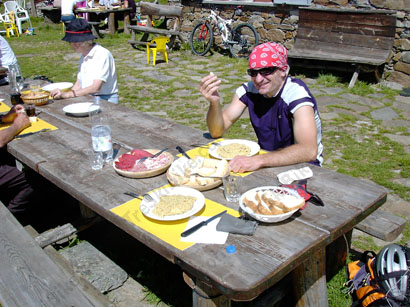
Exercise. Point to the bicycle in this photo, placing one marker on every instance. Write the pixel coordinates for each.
(240, 39)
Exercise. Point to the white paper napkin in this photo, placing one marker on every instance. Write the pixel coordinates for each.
(295, 174)
(205, 234)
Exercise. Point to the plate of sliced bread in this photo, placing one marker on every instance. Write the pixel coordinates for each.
(271, 204)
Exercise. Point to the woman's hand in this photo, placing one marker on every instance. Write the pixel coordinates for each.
(56, 93)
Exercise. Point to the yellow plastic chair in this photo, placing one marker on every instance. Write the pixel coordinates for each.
(160, 46)
(10, 25)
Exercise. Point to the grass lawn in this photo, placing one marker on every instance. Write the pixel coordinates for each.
(357, 149)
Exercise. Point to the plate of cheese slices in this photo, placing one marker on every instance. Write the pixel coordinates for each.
(199, 173)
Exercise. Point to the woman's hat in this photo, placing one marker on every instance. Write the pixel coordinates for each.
(78, 30)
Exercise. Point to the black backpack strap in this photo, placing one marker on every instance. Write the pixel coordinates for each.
(366, 255)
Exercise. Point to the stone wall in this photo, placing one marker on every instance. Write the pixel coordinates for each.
(279, 24)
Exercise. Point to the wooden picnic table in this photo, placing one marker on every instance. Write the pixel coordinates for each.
(295, 247)
(94, 15)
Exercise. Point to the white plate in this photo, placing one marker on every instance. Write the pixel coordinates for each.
(253, 146)
(268, 218)
(147, 207)
(79, 109)
(60, 85)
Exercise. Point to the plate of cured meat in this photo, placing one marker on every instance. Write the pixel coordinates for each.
(132, 164)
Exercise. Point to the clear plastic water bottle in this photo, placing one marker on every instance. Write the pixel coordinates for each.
(100, 130)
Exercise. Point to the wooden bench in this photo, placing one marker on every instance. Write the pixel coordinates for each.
(166, 11)
(382, 225)
(30, 276)
(362, 39)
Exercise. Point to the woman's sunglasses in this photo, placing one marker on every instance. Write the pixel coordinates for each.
(263, 72)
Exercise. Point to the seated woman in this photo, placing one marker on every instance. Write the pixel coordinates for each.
(96, 74)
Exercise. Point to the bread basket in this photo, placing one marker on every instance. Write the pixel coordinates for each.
(36, 98)
(269, 218)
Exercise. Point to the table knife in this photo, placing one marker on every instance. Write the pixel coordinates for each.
(31, 133)
(115, 148)
(203, 223)
(182, 151)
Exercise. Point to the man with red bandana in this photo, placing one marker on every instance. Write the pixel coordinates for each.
(282, 110)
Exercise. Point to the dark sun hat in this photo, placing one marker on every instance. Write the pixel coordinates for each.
(78, 30)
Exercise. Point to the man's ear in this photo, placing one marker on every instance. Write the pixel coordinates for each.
(286, 71)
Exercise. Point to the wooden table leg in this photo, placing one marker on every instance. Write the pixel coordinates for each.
(126, 22)
(111, 23)
(309, 281)
(204, 295)
(86, 212)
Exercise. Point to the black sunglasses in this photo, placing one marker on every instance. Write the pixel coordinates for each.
(263, 72)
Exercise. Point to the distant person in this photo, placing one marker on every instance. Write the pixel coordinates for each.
(96, 74)
(67, 10)
(108, 3)
(15, 190)
(7, 58)
(131, 4)
(282, 110)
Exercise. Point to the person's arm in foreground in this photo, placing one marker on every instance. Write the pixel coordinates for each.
(219, 121)
(76, 90)
(19, 121)
(304, 149)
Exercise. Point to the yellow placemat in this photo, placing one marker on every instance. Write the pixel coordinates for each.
(204, 152)
(36, 126)
(168, 231)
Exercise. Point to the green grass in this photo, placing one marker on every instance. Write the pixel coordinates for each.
(360, 150)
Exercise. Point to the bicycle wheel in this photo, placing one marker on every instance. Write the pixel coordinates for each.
(201, 38)
(244, 38)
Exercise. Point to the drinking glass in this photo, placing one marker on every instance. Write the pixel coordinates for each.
(30, 110)
(95, 158)
(232, 187)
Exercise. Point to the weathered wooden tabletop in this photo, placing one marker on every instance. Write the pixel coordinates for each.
(260, 261)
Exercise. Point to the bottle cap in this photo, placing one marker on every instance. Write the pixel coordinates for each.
(231, 249)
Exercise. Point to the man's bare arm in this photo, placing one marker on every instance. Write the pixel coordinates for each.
(20, 122)
(76, 90)
(304, 149)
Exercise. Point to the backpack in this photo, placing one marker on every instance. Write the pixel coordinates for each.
(363, 284)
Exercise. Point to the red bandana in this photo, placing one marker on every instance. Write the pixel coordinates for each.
(269, 55)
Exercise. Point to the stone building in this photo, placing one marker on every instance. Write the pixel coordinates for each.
(279, 23)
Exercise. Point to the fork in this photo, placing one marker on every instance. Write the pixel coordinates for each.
(146, 196)
(152, 156)
(205, 145)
